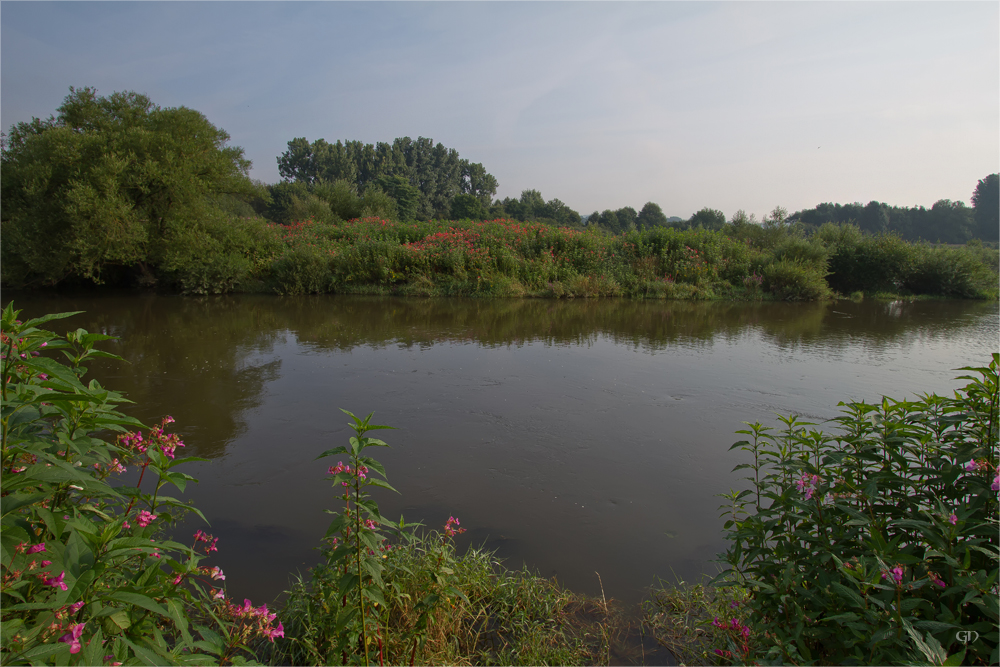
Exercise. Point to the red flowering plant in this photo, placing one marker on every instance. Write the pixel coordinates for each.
(87, 575)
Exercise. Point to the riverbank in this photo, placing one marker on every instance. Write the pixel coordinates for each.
(507, 258)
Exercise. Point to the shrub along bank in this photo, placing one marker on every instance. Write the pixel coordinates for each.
(504, 258)
(874, 546)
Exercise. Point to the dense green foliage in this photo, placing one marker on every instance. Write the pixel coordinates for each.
(531, 207)
(88, 574)
(114, 182)
(507, 258)
(878, 545)
(435, 173)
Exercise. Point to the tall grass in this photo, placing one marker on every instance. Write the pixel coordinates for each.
(504, 258)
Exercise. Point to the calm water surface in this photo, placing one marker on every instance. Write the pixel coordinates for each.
(575, 436)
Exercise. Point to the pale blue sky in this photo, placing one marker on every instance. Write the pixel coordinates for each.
(602, 105)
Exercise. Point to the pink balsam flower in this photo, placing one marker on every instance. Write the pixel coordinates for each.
(73, 637)
(57, 582)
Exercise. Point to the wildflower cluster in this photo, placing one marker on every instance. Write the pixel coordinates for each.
(250, 621)
(807, 484)
(739, 639)
(450, 527)
(899, 550)
(75, 547)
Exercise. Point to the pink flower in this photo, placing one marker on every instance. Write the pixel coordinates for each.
(218, 594)
(896, 574)
(46, 563)
(126, 525)
(808, 483)
(34, 549)
(216, 573)
(953, 519)
(57, 582)
(277, 632)
(178, 578)
(145, 518)
(449, 527)
(972, 466)
(996, 483)
(73, 637)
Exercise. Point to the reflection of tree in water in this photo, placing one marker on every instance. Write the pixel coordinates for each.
(202, 360)
(345, 322)
(874, 326)
(207, 360)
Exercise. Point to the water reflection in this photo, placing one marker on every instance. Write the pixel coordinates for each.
(204, 361)
(572, 435)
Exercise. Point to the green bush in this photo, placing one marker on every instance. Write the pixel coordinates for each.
(302, 270)
(219, 254)
(877, 545)
(954, 272)
(795, 281)
(88, 576)
(865, 263)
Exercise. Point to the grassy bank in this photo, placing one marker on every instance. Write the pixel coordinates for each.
(504, 258)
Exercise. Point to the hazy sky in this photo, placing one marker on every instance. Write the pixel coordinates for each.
(602, 105)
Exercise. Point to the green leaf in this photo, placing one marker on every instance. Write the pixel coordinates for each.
(347, 582)
(841, 618)
(116, 623)
(42, 319)
(955, 659)
(375, 595)
(16, 501)
(334, 451)
(56, 654)
(143, 654)
(935, 626)
(139, 600)
(377, 482)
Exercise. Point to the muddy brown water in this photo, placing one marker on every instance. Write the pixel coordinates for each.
(574, 436)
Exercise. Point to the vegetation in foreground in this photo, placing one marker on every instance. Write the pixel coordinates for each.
(876, 545)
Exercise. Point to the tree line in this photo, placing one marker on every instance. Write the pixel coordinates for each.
(119, 184)
(945, 222)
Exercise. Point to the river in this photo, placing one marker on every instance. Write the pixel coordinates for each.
(579, 437)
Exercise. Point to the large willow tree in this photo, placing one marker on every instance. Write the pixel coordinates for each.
(110, 181)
